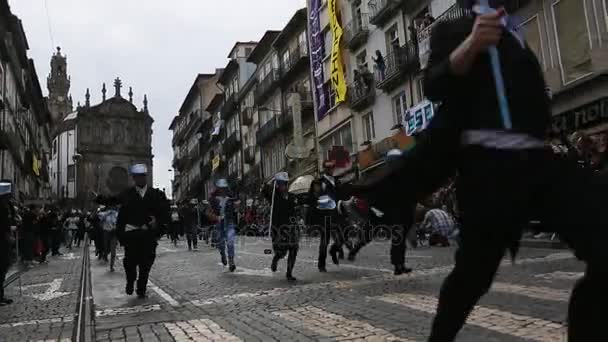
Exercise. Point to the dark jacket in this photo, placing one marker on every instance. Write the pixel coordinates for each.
(230, 210)
(284, 217)
(139, 211)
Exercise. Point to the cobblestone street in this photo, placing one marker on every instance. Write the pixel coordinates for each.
(193, 298)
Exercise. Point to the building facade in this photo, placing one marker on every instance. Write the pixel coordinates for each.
(95, 146)
(187, 129)
(25, 121)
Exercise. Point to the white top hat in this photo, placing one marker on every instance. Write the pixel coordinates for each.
(221, 183)
(5, 188)
(281, 177)
(139, 169)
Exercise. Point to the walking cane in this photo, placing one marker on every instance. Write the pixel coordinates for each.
(484, 8)
(274, 188)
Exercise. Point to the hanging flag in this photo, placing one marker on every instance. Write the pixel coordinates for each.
(337, 67)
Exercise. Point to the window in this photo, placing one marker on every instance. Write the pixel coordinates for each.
(399, 107)
(303, 42)
(392, 39)
(327, 38)
(362, 61)
(531, 31)
(420, 88)
(248, 51)
(286, 61)
(369, 131)
(341, 137)
(54, 148)
(71, 175)
(574, 45)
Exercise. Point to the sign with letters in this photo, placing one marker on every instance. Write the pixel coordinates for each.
(587, 116)
(417, 118)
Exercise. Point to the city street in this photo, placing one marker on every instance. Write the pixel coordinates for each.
(192, 297)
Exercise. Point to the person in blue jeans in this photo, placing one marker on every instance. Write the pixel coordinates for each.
(222, 210)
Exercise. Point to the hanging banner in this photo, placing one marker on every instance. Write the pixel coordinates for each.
(338, 79)
(317, 52)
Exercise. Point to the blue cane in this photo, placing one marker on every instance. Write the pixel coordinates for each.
(485, 8)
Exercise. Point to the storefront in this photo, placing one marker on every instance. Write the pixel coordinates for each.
(591, 118)
(374, 155)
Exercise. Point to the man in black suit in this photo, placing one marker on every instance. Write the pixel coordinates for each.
(143, 212)
(505, 176)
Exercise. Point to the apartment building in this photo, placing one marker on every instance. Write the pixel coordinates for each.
(25, 119)
(187, 127)
(282, 101)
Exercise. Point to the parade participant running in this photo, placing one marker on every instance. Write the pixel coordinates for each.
(222, 210)
(190, 222)
(108, 219)
(6, 224)
(176, 224)
(285, 231)
(144, 210)
(506, 176)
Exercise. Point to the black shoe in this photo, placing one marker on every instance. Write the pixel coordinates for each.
(401, 269)
(291, 278)
(274, 265)
(232, 267)
(334, 258)
(322, 269)
(351, 256)
(5, 301)
(129, 289)
(224, 260)
(142, 295)
(341, 254)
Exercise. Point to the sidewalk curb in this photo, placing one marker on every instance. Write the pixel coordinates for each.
(548, 244)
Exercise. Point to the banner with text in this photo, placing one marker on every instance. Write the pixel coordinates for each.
(338, 79)
(417, 118)
(317, 52)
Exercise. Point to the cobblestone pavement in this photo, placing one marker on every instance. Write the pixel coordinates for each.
(193, 298)
(45, 301)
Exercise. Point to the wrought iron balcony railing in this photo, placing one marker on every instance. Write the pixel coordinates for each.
(357, 31)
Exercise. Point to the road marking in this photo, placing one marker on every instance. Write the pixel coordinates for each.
(199, 330)
(64, 319)
(127, 310)
(346, 284)
(51, 293)
(560, 275)
(492, 319)
(537, 292)
(69, 256)
(336, 326)
(164, 295)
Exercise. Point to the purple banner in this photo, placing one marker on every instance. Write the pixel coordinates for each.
(317, 52)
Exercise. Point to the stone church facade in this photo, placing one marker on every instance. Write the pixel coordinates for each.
(111, 137)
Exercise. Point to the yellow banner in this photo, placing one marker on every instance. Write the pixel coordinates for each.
(36, 166)
(337, 67)
(215, 163)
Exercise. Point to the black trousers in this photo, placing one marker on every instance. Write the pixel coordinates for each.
(291, 251)
(330, 230)
(498, 193)
(5, 262)
(139, 258)
(56, 239)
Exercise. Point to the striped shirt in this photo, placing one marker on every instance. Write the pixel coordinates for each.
(439, 221)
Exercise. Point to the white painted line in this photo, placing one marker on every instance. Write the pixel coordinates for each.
(537, 292)
(331, 325)
(164, 295)
(199, 330)
(127, 310)
(492, 319)
(52, 292)
(38, 321)
(560, 275)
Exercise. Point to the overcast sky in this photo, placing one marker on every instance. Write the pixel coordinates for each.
(155, 46)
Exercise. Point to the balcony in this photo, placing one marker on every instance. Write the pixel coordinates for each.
(229, 106)
(298, 58)
(381, 11)
(398, 63)
(424, 34)
(357, 32)
(362, 94)
(247, 116)
(232, 143)
(266, 131)
(266, 86)
(249, 155)
(285, 120)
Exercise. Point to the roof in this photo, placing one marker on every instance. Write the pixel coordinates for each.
(296, 22)
(71, 116)
(232, 66)
(173, 122)
(193, 90)
(237, 44)
(260, 51)
(215, 103)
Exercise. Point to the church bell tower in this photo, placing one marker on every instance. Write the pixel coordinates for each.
(58, 84)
